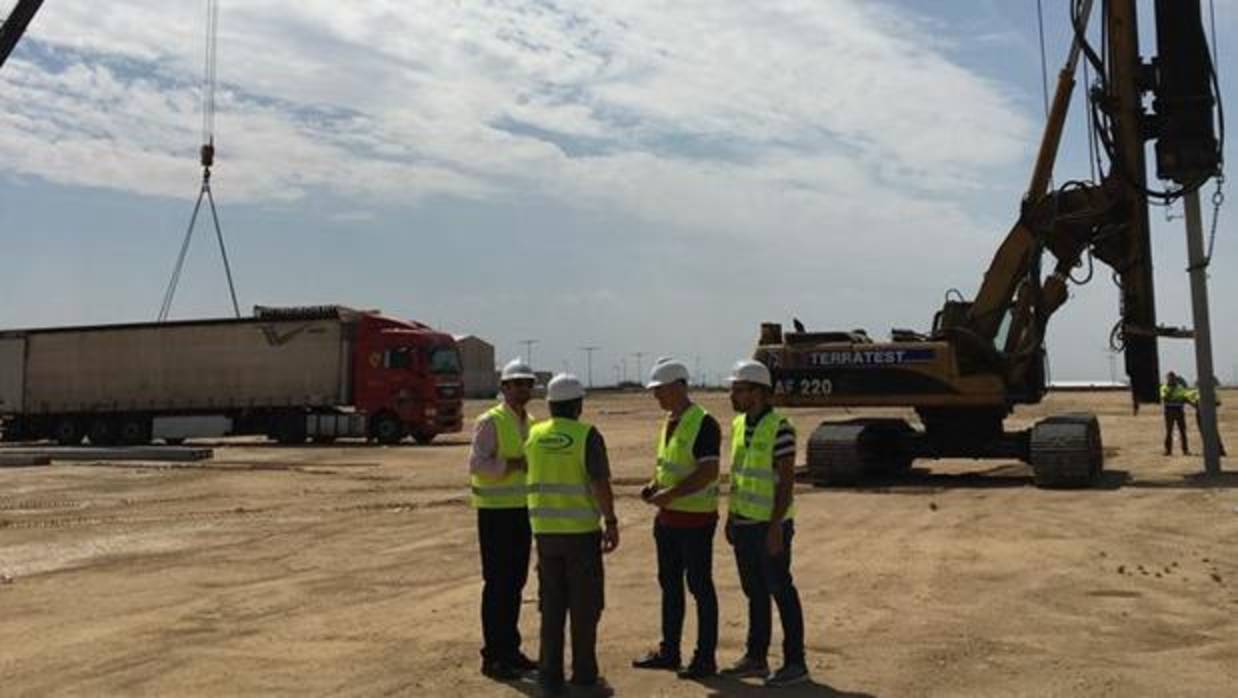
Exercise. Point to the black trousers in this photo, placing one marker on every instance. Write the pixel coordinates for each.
(688, 552)
(1175, 416)
(763, 576)
(505, 539)
(570, 581)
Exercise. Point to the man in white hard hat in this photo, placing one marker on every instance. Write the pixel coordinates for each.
(569, 500)
(760, 525)
(685, 491)
(497, 470)
(1174, 396)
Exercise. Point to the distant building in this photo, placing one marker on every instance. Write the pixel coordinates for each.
(481, 380)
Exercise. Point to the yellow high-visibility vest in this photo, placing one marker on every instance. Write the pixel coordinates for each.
(559, 499)
(754, 479)
(676, 462)
(506, 491)
(1175, 395)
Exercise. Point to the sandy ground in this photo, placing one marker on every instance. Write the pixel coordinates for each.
(353, 571)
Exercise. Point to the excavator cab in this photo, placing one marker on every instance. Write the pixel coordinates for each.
(952, 314)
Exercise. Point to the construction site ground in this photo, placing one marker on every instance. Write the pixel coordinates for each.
(353, 570)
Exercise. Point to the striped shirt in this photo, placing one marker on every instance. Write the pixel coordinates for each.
(784, 442)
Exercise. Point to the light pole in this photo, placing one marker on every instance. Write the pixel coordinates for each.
(589, 362)
(640, 374)
(1204, 372)
(528, 350)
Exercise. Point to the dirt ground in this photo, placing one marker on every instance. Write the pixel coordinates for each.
(353, 570)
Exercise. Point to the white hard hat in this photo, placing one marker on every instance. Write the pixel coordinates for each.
(667, 371)
(517, 370)
(749, 371)
(564, 387)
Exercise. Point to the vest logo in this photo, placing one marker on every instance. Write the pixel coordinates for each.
(556, 441)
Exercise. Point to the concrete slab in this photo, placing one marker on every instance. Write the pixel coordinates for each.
(19, 460)
(120, 453)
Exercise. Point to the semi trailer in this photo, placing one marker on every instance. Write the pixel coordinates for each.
(292, 374)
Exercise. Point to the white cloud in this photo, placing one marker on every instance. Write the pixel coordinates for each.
(704, 114)
(354, 217)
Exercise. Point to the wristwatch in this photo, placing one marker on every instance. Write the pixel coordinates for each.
(612, 521)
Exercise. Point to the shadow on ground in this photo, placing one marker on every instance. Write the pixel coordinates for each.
(1006, 475)
(731, 688)
(1191, 481)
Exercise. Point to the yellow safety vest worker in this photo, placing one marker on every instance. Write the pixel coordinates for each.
(676, 463)
(1174, 395)
(754, 479)
(507, 491)
(560, 500)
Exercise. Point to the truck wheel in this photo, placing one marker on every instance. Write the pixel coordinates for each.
(387, 428)
(291, 430)
(103, 432)
(424, 437)
(135, 431)
(67, 432)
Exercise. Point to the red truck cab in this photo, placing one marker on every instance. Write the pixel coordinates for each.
(406, 378)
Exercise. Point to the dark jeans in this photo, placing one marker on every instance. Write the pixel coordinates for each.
(1175, 416)
(688, 552)
(570, 580)
(505, 539)
(763, 576)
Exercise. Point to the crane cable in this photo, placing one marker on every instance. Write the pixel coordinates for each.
(207, 158)
(208, 73)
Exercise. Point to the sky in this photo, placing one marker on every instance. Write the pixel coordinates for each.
(640, 176)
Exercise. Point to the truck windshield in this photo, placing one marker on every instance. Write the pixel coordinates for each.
(444, 360)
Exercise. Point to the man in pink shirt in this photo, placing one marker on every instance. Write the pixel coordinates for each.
(497, 471)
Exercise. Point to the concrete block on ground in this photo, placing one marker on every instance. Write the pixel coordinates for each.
(119, 453)
(19, 460)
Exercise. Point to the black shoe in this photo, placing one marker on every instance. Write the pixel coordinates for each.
(747, 668)
(789, 675)
(657, 659)
(699, 669)
(499, 670)
(521, 663)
